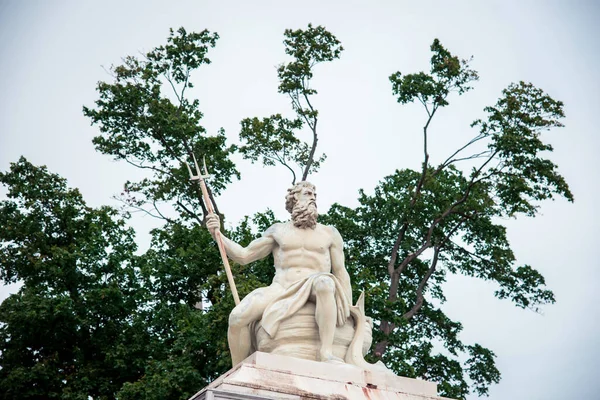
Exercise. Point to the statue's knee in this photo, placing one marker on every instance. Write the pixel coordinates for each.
(324, 285)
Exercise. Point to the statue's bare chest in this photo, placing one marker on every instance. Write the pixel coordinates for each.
(316, 240)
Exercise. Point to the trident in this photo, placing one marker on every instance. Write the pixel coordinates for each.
(200, 179)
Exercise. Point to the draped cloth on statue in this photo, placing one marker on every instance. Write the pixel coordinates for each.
(296, 296)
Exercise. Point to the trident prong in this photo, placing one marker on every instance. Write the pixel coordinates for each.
(199, 175)
(206, 174)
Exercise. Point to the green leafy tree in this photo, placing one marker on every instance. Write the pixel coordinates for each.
(419, 226)
(72, 330)
(95, 319)
(274, 140)
(91, 317)
(147, 120)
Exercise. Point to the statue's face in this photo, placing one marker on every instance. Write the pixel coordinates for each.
(306, 196)
(304, 213)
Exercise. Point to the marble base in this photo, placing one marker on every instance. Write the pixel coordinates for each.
(270, 376)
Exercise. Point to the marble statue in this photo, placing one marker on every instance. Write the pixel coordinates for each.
(311, 285)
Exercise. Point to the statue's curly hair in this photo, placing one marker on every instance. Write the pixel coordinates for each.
(290, 198)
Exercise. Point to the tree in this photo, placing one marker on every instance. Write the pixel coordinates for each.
(274, 139)
(95, 319)
(147, 120)
(72, 330)
(92, 318)
(419, 226)
(142, 125)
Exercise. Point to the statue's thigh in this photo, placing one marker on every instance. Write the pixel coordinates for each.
(252, 306)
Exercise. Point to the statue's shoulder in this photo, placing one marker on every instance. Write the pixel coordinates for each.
(273, 229)
(331, 229)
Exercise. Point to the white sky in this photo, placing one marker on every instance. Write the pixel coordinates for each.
(52, 53)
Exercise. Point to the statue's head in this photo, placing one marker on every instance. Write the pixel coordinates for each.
(301, 202)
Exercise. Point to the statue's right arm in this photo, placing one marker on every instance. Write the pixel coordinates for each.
(256, 250)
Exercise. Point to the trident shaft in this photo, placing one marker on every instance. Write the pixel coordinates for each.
(219, 239)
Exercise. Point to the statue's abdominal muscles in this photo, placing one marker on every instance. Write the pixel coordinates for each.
(300, 253)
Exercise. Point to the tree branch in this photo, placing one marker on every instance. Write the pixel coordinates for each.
(141, 209)
(185, 83)
(448, 160)
(386, 327)
(282, 162)
(168, 78)
(161, 214)
(191, 213)
(288, 167)
(128, 161)
(420, 297)
(413, 201)
(314, 131)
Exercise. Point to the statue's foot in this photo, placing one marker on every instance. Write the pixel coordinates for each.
(330, 358)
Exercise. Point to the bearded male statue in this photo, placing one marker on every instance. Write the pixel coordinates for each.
(309, 268)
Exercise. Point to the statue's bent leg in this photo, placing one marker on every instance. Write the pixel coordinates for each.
(249, 310)
(323, 291)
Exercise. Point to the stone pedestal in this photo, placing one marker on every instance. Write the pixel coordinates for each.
(270, 376)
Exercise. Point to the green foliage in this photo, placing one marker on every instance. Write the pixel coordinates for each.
(274, 139)
(94, 319)
(426, 224)
(71, 330)
(514, 126)
(448, 74)
(141, 124)
(308, 48)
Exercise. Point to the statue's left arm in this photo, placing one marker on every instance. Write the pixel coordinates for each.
(338, 267)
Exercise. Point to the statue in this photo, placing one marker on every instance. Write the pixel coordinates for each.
(307, 310)
(309, 269)
(309, 266)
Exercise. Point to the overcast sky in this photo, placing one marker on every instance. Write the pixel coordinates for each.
(52, 55)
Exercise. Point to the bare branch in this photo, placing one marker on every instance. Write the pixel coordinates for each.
(288, 167)
(312, 123)
(142, 209)
(150, 167)
(413, 200)
(448, 160)
(420, 297)
(168, 78)
(159, 213)
(471, 157)
(190, 213)
(424, 105)
(185, 83)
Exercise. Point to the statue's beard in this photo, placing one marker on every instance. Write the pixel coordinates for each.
(304, 215)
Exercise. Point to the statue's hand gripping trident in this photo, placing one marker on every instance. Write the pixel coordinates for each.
(199, 177)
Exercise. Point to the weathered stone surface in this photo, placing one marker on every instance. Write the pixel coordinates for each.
(270, 376)
(298, 336)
